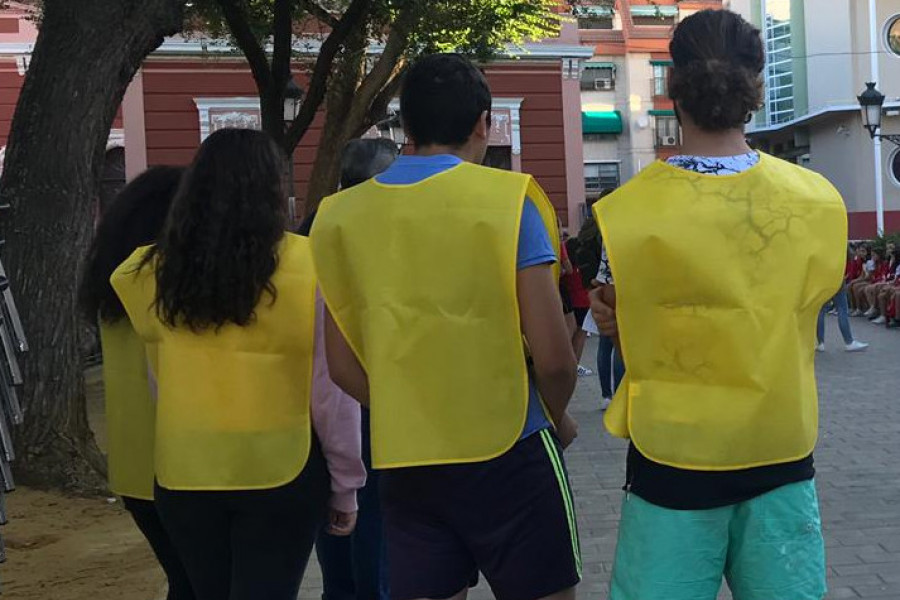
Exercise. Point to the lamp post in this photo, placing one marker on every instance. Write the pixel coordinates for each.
(391, 128)
(871, 103)
(293, 99)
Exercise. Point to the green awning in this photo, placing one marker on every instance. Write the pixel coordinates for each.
(662, 113)
(609, 122)
(599, 65)
(592, 11)
(661, 63)
(652, 10)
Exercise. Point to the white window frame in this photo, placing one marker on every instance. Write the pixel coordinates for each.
(886, 35)
(779, 64)
(585, 77)
(890, 167)
(657, 121)
(599, 177)
(236, 104)
(661, 80)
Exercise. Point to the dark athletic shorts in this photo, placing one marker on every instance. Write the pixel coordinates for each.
(580, 314)
(511, 518)
(566, 299)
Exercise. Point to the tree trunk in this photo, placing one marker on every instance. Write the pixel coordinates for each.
(352, 99)
(85, 56)
(338, 130)
(271, 103)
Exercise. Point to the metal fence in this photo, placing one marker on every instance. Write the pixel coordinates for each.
(12, 345)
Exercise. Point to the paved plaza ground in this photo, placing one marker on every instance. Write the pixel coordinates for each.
(858, 464)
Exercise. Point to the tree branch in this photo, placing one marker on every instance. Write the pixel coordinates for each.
(319, 12)
(354, 17)
(283, 34)
(378, 109)
(238, 23)
(389, 63)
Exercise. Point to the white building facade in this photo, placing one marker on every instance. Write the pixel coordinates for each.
(820, 54)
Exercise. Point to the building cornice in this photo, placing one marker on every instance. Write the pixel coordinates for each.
(307, 46)
(805, 119)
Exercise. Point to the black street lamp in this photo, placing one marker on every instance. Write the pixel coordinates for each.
(871, 102)
(293, 99)
(391, 128)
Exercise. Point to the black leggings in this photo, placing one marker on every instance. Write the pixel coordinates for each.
(248, 545)
(147, 519)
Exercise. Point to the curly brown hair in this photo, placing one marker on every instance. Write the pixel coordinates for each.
(718, 58)
(219, 250)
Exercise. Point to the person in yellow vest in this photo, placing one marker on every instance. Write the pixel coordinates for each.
(225, 303)
(720, 260)
(134, 219)
(432, 273)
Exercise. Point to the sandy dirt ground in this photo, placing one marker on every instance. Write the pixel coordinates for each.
(64, 548)
(75, 549)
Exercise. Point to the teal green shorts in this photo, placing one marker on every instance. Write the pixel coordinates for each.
(767, 548)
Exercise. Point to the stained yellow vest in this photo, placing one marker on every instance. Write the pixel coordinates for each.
(233, 404)
(130, 411)
(719, 281)
(421, 279)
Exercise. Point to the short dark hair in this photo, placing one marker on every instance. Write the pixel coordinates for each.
(718, 58)
(362, 160)
(443, 97)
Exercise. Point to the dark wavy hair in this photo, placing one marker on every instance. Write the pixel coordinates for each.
(220, 247)
(718, 58)
(134, 219)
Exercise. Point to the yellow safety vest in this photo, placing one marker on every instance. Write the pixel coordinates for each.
(719, 281)
(130, 411)
(421, 279)
(234, 403)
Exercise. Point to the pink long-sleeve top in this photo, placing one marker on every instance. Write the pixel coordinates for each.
(336, 420)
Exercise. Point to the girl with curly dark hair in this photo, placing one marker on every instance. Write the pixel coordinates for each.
(719, 397)
(134, 219)
(226, 305)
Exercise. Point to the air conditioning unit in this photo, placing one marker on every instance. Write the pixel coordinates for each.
(603, 84)
(668, 140)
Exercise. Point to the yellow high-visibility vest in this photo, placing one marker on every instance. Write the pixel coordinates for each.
(130, 411)
(233, 407)
(421, 280)
(719, 281)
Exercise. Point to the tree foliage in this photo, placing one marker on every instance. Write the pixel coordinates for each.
(480, 28)
(355, 53)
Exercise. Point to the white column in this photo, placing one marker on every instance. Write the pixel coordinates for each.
(874, 39)
(135, 129)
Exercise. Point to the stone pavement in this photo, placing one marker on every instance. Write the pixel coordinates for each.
(858, 463)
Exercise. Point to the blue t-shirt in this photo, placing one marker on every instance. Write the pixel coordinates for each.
(535, 247)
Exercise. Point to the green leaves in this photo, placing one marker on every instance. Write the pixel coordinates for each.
(479, 28)
(482, 28)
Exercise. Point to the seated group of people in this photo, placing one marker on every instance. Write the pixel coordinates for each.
(873, 283)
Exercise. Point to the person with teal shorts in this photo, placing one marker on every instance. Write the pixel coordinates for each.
(719, 260)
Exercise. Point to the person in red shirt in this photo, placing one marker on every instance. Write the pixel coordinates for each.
(872, 269)
(581, 303)
(892, 309)
(855, 265)
(856, 272)
(882, 281)
(885, 299)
